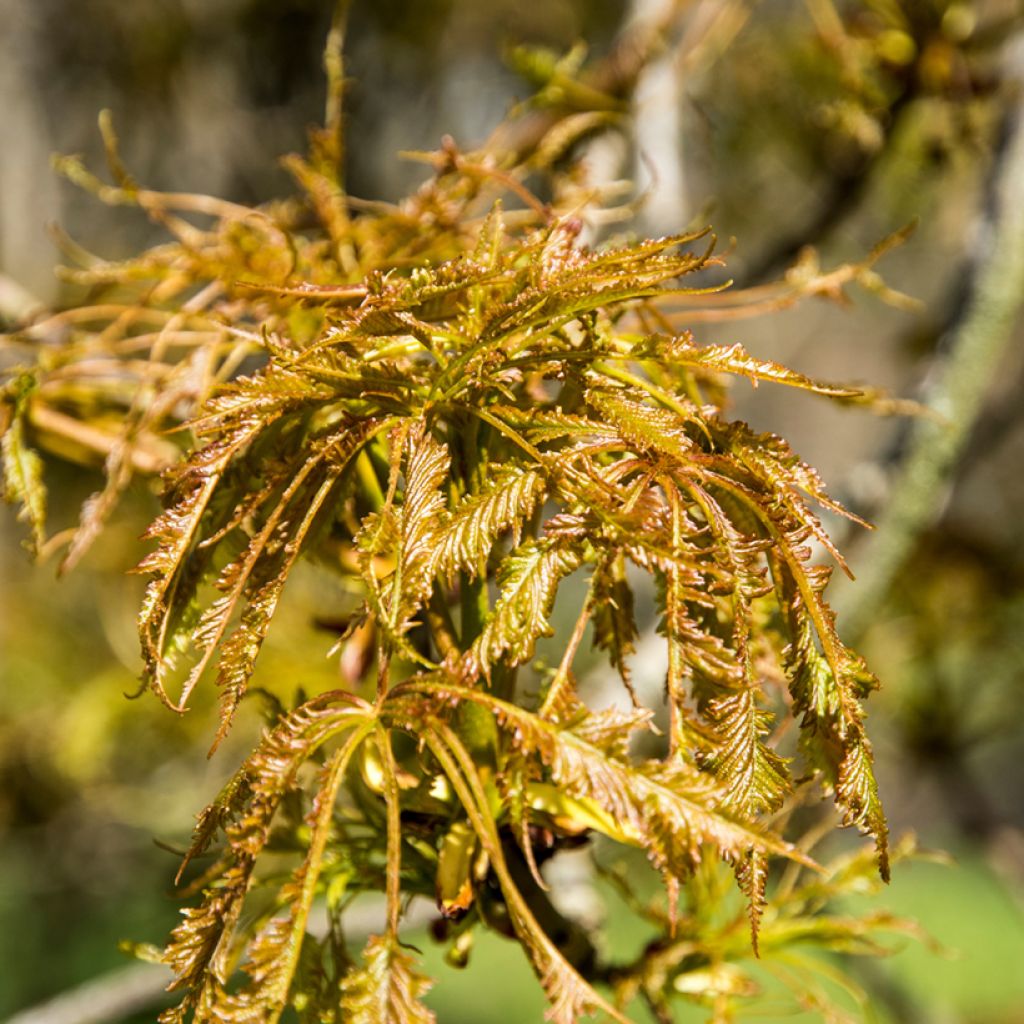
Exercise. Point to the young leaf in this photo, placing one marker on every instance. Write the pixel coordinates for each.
(662, 432)
(202, 948)
(670, 809)
(569, 994)
(827, 687)
(272, 956)
(680, 350)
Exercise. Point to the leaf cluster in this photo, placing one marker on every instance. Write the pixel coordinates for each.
(457, 404)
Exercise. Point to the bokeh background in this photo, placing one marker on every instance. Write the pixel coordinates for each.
(792, 124)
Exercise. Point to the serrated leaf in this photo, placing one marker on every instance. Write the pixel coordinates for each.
(857, 793)
(177, 531)
(753, 777)
(419, 526)
(752, 878)
(680, 350)
(252, 581)
(505, 503)
(527, 580)
(827, 686)
(570, 995)
(272, 957)
(648, 428)
(782, 474)
(387, 988)
(240, 649)
(23, 480)
(203, 948)
(672, 810)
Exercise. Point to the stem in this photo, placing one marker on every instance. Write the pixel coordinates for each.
(474, 606)
(474, 724)
(368, 478)
(394, 833)
(458, 766)
(472, 590)
(334, 69)
(676, 662)
(442, 628)
(562, 678)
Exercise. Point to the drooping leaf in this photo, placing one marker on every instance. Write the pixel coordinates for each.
(177, 531)
(857, 793)
(570, 995)
(827, 687)
(199, 951)
(204, 947)
(253, 581)
(670, 809)
(272, 957)
(752, 877)
(240, 649)
(753, 776)
(783, 475)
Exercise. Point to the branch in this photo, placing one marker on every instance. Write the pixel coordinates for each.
(845, 190)
(616, 75)
(111, 997)
(979, 343)
(130, 990)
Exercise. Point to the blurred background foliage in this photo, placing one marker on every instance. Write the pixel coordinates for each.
(792, 124)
